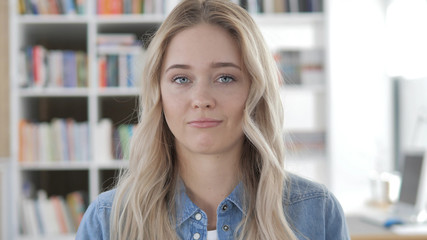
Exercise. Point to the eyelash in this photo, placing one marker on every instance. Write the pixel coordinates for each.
(176, 78)
(227, 76)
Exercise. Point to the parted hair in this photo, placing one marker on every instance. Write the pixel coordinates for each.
(144, 203)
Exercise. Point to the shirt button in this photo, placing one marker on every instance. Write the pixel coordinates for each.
(225, 228)
(196, 236)
(198, 216)
(224, 207)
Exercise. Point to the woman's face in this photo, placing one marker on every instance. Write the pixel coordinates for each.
(204, 87)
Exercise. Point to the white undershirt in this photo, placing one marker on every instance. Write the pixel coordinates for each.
(212, 235)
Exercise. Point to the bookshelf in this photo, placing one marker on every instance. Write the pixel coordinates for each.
(3, 196)
(44, 104)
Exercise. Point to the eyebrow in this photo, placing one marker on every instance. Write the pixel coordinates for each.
(225, 64)
(213, 65)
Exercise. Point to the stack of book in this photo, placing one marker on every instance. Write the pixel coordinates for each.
(51, 216)
(303, 67)
(61, 140)
(120, 60)
(67, 7)
(281, 6)
(294, 6)
(52, 68)
(164, 6)
(113, 142)
(105, 7)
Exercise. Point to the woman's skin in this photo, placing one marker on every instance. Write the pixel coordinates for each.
(204, 87)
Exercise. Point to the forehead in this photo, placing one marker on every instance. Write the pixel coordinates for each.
(202, 42)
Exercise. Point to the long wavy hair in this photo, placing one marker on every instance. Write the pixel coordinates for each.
(144, 203)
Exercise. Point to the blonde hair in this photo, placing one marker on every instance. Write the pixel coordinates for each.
(144, 203)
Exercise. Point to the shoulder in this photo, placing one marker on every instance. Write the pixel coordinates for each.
(95, 223)
(298, 189)
(105, 199)
(312, 210)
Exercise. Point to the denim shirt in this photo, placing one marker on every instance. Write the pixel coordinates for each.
(311, 210)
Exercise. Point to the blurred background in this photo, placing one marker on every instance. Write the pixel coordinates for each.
(354, 94)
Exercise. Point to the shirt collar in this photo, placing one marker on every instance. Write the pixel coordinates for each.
(185, 208)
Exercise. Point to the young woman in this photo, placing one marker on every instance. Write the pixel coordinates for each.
(207, 157)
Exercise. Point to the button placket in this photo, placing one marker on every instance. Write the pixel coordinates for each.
(198, 216)
(224, 207)
(225, 228)
(196, 236)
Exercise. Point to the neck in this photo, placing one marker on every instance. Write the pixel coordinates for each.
(209, 179)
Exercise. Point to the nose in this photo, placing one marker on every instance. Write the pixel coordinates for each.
(203, 97)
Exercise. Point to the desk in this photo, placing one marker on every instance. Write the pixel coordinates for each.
(361, 230)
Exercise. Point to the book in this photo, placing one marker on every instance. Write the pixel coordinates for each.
(48, 214)
(117, 54)
(124, 134)
(69, 7)
(22, 140)
(294, 6)
(159, 7)
(81, 65)
(148, 6)
(70, 69)
(55, 68)
(44, 68)
(103, 135)
(37, 65)
(30, 218)
(51, 216)
(130, 70)
(60, 140)
(76, 204)
(45, 7)
(137, 6)
(69, 128)
(112, 70)
(116, 6)
(123, 71)
(102, 71)
(71, 228)
(59, 214)
(44, 143)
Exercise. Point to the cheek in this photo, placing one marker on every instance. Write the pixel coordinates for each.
(236, 106)
(171, 108)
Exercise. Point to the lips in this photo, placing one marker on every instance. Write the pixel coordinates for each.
(205, 123)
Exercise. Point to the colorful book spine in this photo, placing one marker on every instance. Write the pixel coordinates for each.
(52, 7)
(58, 141)
(108, 7)
(117, 56)
(51, 216)
(113, 142)
(53, 68)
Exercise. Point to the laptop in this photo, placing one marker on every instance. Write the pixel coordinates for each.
(412, 198)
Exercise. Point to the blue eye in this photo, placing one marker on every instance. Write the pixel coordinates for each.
(181, 80)
(226, 79)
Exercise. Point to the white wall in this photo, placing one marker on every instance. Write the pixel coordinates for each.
(3, 198)
(360, 98)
